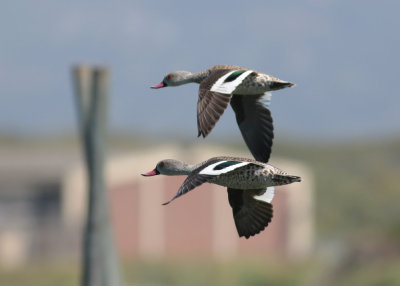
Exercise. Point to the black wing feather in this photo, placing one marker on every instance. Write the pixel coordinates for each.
(251, 215)
(255, 124)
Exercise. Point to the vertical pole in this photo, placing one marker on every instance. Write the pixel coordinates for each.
(99, 258)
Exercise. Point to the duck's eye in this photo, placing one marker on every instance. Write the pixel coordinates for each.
(169, 76)
(162, 164)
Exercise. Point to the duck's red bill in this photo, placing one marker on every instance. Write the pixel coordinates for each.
(160, 85)
(151, 173)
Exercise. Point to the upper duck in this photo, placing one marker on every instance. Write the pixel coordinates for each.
(246, 90)
(250, 186)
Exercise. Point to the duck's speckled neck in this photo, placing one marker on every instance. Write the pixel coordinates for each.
(194, 167)
(171, 167)
(186, 169)
(198, 77)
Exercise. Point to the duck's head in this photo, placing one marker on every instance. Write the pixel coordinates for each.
(168, 167)
(174, 79)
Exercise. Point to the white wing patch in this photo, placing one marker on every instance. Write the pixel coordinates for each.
(229, 87)
(266, 99)
(209, 170)
(267, 196)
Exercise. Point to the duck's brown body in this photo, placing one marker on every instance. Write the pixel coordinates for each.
(256, 83)
(249, 186)
(247, 92)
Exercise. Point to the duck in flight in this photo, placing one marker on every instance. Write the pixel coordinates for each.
(248, 93)
(250, 186)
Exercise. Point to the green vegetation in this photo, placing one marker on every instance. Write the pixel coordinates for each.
(230, 273)
(42, 274)
(252, 272)
(174, 273)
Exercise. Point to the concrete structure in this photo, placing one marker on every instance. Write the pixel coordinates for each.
(30, 204)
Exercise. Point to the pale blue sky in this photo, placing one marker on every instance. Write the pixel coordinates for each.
(343, 56)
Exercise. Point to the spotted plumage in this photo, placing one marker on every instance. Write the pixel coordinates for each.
(250, 186)
(248, 93)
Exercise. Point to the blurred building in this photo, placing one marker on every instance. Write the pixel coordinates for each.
(44, 206)
(30, 204)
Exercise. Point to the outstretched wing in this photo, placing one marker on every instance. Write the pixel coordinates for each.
(215, 92)
(252, 209)
(210, 106)
(255, 124)
(207, 171)
(191, 182)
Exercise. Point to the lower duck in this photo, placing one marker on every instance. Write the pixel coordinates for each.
(250, 186)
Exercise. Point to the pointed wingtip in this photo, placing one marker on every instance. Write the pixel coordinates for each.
(166, 203)
(202, 134)
(176, 196)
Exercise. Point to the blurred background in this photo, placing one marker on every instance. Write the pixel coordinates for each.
(338, 128)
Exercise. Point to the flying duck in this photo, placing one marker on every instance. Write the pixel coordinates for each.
(248, 93)
(250, 186)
